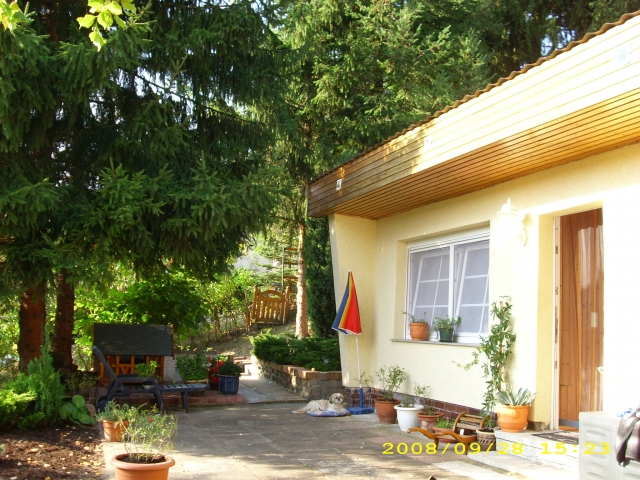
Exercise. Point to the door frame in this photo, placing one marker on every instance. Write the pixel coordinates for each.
(555, 328)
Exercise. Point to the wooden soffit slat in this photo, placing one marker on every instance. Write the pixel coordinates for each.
(392, 184)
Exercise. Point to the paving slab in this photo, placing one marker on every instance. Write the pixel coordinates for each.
(267, 441)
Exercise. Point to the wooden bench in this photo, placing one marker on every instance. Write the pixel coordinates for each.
(123, 386)
(463, 424)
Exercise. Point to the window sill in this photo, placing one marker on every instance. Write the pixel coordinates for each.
(444, 344)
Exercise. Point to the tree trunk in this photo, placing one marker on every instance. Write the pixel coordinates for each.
(63, 328)
(31, 320)
(302, 318)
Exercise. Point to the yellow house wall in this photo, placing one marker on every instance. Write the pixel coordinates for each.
(376, 251)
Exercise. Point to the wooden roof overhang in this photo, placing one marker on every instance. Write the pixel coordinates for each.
(586, 101)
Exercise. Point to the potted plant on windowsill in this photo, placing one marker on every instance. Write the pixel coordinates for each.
(514, 411)
(496, 349)
(418, 327)
(149, 436)
(446, 327)
(390, 380)
(115, 420)
(407, 411)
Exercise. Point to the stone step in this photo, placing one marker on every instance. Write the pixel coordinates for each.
(525, 467)
(541, 450)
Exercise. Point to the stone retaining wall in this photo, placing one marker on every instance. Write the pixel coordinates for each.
(308, 384)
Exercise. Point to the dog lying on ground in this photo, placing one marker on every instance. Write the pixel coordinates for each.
(334, 404)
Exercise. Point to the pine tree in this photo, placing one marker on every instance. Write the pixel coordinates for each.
(147, 151)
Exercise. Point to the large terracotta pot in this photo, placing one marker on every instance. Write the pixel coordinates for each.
(428, 421)
(512, 418)
(419, 331)
(141, 471)
(114, 431)
(385, 411)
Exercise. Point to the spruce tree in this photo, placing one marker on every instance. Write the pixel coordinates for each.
(147, 151)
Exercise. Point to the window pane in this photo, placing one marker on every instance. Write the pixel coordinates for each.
(429, 277)
(471, 286)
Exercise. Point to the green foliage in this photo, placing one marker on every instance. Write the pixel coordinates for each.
(115, 412)
(229, 368)
(15, 407)
(447, 323)
(42, 384)
(76, 411)
(147, 369)
(508, 397)
(444, 423)
(192, 368)
(149, 435)
(321, 301)
(390, 380)
(80, 382)
(496, 349)
(413, 319)
(307, 352)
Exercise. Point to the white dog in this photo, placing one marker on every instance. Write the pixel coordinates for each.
(334, 404)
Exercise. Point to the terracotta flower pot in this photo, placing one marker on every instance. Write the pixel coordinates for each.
(141, 471)
(512, 418)
(113, 431)
(419, 331)
(428, 421)
(385, 411)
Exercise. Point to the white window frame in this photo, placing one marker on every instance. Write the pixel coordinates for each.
(450, 240)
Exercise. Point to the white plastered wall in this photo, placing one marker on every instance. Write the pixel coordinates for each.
(377, 254)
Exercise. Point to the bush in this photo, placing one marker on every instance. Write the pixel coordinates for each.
(307, 352)
(42, 386)
(192, 368)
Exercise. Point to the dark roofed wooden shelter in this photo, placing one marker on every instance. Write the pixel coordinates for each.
(125, 345)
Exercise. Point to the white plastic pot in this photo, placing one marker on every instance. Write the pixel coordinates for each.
(408, 417)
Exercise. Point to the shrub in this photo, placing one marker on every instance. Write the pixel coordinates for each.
(44, 388)
(307, 352)
(14, 407)
(80, 382)
(192, 368)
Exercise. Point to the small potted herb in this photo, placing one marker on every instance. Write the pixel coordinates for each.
(149, 436)
(446, 327)
(418, 327)
(115, 420)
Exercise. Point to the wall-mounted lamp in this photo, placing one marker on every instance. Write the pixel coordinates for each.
(326, 359)
(511, 222)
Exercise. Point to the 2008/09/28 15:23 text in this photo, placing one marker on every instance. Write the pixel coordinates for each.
(502, 448)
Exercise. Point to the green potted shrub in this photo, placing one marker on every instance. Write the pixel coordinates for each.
(496, 349)
(192, 368)
(229, 377)
(418, 327)
(428, 415)
(408, 411)
(149, 436)
(446, 327)
(146, 370)
(115, 420)
(514, 411)
(390, 380)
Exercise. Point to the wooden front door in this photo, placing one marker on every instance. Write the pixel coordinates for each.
(581, 315)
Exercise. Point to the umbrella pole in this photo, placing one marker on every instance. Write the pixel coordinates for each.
(359, 374)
